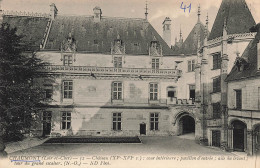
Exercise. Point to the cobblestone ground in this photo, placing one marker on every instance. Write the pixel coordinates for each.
(150, 146)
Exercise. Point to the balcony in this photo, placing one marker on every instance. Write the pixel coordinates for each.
(96, 71)
(176, 101)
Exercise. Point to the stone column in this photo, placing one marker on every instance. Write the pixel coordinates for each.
(224, 68)
(249, 142)
(230, 139)
(204, 89)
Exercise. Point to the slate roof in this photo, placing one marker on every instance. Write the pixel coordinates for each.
(250, 55)
(238, 18)
(190, 45)
(97, 37)
(31, 28)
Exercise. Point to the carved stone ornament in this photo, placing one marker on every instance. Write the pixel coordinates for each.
(69, 45)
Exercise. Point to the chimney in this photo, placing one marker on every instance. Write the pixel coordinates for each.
(97, 14)
(167, 31)
(53, 11)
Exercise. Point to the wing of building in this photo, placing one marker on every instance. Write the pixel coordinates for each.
(111, 76)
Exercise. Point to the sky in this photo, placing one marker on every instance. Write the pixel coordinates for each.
(157, 10)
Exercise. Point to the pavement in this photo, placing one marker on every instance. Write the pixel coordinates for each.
(159, 145)
(27, 143)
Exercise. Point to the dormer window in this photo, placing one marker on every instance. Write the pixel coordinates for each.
(241, 64)
(155, 48)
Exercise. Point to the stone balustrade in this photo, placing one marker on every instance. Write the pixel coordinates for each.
(111, 70)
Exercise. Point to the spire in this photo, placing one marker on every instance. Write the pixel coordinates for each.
(146, 10)
(199, 13)
(180, 33)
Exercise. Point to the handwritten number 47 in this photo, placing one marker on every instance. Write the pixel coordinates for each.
(184, 7)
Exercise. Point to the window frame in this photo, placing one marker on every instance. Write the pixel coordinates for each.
(216, 61)
(216, 84)
(238, 104)
(118, 61)
(191, 65)
(69, 92)
(117, 119)
(67, 60)
(66, 119)
(216, 110)
(153, 92)
(154, 124)
(116, 90)
(155, 63)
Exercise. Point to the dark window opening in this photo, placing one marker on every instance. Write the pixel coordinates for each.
(238, 99)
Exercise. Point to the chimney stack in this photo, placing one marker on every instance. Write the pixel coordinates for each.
(97, 14)
(167, 31)
(53, 11)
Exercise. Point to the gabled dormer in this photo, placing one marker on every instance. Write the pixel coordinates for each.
(118, 47)
(155, 49)
(241, 64)
(68, 50)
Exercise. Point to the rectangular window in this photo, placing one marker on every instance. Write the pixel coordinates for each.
(46, 117)
(155, 63)
(217, 85)
(153, 91)
(67, 89)
(191, 66)
(118, 62)
(216, 110)
(48, 91)
(238, 99)
(67, 61)
(117, 89)
(217, 61)
(117, 121)
(154, 121)
(192, 92)
(66, 120)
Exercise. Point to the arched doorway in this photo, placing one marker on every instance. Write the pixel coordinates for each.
(239, 135)
(186, 125)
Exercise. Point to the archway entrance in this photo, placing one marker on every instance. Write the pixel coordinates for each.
(239, 136)
(187, 125)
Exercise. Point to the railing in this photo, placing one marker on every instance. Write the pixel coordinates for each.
(176, 101)
(111, 70)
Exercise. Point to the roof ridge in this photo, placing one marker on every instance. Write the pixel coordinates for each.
(20, 13)
(103, 17)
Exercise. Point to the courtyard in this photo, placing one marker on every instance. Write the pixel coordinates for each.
(159, 145)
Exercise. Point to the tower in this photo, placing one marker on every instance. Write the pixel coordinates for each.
(167, 30)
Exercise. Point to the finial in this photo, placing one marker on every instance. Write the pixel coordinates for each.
(207, 19)
(180, 33)
(118, 37)
(199, 13)
(225, 23)
(146, 10)
(154, 38)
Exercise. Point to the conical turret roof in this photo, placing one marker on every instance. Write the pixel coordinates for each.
(238, 18)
